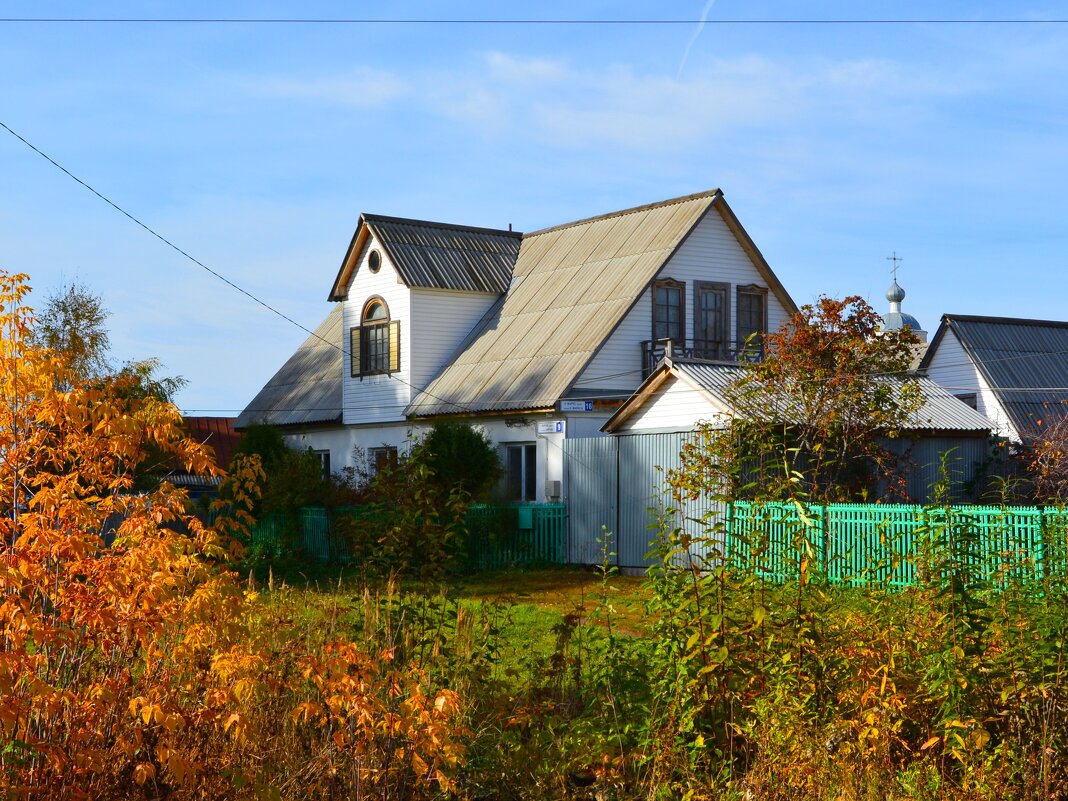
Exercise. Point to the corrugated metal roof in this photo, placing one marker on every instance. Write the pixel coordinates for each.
(583, 277)
(442, 256)
(307, 389)
(1025, 362)
(218, 432)
(940, 411)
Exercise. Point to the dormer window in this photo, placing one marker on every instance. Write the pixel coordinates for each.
(375, 343)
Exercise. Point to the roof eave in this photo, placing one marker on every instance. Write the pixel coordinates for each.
(339, 291)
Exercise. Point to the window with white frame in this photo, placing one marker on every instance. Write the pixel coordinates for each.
(520, 469)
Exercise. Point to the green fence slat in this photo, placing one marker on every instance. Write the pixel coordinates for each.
(865, 544)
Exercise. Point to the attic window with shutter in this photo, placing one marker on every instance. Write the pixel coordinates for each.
(375, 343)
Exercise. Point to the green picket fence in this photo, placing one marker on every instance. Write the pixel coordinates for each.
(496, 536)
(523, 534)
(864, 544)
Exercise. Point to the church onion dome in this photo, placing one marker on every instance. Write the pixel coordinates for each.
(895, 319)
(895, 294)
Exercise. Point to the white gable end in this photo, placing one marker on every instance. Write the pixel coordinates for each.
(376, 398)
(953, 369)
(711, 253)
(675, 406)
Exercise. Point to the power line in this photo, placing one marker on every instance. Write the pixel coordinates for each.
(203, 266)
(504, 21)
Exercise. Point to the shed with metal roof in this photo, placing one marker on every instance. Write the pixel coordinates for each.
(1013, 370)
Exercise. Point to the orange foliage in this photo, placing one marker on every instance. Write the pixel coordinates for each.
(136, 667)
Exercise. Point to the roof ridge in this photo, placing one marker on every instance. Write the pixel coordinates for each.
(373, 218)
(633, 210)
(979, 318)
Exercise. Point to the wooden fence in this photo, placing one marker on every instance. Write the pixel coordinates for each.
(888, 544)
(497, 536)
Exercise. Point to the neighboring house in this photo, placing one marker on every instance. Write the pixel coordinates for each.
(681, 394)
(219, 434)
(1014, 371)
(535, 337)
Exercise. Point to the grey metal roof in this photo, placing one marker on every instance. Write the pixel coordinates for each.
(307, 389)
(1025, 362)
(570, 287)
(941, 411)
(441, 256)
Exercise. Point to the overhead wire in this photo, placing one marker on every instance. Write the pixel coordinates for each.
(518, 21)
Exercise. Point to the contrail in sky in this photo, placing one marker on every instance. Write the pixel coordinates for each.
(689, 44)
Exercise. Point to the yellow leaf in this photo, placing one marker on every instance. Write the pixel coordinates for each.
(144, 772)
(932, 741)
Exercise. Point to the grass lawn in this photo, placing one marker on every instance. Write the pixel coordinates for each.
(525, 608)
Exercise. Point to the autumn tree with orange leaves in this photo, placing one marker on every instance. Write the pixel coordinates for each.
(807, 418)
(142, 668)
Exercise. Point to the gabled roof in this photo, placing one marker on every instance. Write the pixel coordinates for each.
(571, 287)
(435, 255)
(1025, 362)
(307, 388)
(941, 411)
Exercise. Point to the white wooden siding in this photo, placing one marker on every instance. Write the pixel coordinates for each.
(676, 406)
(711, 253)
(953, 369)
(440, 319)
(377, 398)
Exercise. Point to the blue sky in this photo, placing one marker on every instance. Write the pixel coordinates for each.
(256, 147)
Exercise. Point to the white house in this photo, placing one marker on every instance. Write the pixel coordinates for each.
(1014, 371)
(535, 337)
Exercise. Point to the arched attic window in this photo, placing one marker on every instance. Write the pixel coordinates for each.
(375, 343)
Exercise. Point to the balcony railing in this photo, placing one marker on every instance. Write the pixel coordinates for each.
(713, 352)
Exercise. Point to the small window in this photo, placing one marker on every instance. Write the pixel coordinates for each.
(752, 319)
(668, 317)
(375, 344)
(520, 465)
(324, 461)
(969, 399)
(383, 458)
(374, 261)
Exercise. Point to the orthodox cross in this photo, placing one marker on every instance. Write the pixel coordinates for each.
(895, 259)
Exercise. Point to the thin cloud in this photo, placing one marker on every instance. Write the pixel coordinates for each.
(363, 87)
(694, 36)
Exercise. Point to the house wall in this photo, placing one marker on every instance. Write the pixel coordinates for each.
(440, 319)
(953, 369)
(349, 445)
(711, 253)
(377, 398)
